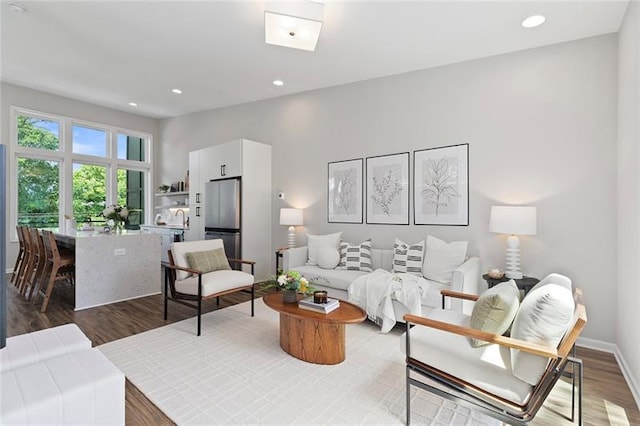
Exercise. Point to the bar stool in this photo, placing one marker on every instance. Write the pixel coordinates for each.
(60, 266)
(16, 269)
(33, 282)
(29, 259)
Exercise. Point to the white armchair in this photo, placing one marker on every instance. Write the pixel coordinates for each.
(199, 270)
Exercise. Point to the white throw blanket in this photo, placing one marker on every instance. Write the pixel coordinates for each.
(379, 288)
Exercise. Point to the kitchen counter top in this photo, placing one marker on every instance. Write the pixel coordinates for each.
(96, 232)
(168, 226)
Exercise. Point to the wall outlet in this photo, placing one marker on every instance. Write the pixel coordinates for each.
(119, 252)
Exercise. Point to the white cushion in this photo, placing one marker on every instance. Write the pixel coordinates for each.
(81, 387)
(408, 258)
(316, 241)
(495, 310)
(355, 257)
(215, 282)
(180, 250)
(40, 345)
(544, 316)
(328, 257)
(442, 258)
(488, 367)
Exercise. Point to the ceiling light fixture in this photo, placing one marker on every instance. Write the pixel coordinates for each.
(133, 104)
(293, 24)
(278, 83)
(176, 91)
(533, 21)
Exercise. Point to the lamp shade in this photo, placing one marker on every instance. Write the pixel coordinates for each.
(514, 220)
(291, 217)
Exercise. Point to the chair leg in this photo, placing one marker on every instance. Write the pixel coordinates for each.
(47, 296)
(166, 289)
(252, 296)
(408, 396)
(199, 313)
(577, 376)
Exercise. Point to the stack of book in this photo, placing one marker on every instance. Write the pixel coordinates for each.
(323, 308)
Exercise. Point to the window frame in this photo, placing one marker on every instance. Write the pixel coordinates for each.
(65, 156)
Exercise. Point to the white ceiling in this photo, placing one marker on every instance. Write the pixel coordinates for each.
(111, 53)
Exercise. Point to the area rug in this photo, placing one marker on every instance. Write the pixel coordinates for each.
(236, 373)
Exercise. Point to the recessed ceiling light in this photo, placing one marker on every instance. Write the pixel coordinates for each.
(278, 83)
(133, 104)
(533, 21)
(177, 91)
(17, 7)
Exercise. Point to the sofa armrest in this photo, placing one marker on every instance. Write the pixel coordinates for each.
(464, 280)
(294, 257)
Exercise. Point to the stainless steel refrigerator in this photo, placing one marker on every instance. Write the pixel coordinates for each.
(222, 214)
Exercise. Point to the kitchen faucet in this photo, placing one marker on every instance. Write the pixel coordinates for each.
(184, 217)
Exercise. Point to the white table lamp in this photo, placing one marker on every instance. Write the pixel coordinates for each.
(513, 220)
(293, 218)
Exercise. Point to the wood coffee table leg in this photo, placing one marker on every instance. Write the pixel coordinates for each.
(312, 341)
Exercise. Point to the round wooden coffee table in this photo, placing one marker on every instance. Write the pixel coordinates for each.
(312, 336)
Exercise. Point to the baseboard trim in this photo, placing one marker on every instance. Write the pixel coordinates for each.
(612, 348)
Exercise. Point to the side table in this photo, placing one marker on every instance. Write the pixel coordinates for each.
(279, 255)
(524, 283)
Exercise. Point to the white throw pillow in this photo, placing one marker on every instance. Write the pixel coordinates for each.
(408, 258)
(544, 317)
(328, 257)
(495, 310)
(315, 242)
(355, 257)
(442, 258)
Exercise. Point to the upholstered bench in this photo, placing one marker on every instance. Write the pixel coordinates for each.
(40, 345)
(81, 387)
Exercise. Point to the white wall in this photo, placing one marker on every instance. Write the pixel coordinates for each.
(541, 125)
(18, 96)
(628, 314)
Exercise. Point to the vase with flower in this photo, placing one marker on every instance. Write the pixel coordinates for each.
(291, 283)
(116, 216)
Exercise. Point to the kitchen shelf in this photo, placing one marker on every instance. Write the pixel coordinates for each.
(171, 194)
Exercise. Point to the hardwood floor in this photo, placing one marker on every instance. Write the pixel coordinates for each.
(607, 398)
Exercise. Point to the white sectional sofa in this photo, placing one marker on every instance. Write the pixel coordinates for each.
(336, 281)
(53, 376)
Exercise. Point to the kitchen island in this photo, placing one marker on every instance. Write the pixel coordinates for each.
(112, 267)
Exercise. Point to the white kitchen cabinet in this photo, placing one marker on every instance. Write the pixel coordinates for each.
(196, 195)
(226, 160)
(251, 161)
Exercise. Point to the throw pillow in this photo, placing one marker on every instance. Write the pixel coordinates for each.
(408, 258)
(355, 257)
(495, 310)
(316, 241)
(208, 261)
(544, 317)
(328, 257)
(442, 258)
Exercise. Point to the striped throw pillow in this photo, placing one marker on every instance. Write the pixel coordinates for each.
(408, 258)
(355, 257)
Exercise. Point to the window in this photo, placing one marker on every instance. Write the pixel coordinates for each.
(89, 141)
(89, 192)
(76, 172)
(38, 192)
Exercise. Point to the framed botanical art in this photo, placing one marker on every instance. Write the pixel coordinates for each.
(344, 204)
(388, 189)
(441, 186)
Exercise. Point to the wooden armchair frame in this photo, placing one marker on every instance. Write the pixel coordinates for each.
(170, 292)
(472, 396)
